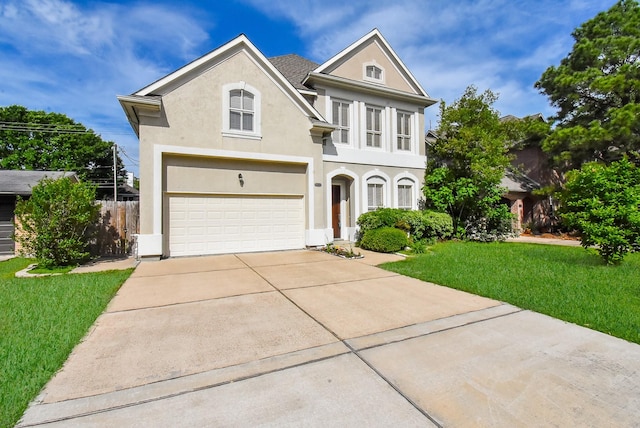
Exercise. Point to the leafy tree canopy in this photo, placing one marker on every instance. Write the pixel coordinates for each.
(467, 162)
(596, 89)
(602, 203)
(37, 140)
(57, 223)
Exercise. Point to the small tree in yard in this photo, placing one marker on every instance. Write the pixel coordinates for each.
(603, 204)
(466, 164)
(56, 223)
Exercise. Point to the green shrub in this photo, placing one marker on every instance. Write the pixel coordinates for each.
(602, 204)
(55, 224)
(382, 217)
(436, 225)
(420, 247)
(419, 224)
(384, 240)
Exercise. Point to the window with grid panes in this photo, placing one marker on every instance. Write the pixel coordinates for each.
(241, 110)
(341, 112)
(374, 127)
(373, 72)
(405, 195)
(375, 193)
(404, 131)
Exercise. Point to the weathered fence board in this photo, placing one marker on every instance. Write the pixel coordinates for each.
(119, 222)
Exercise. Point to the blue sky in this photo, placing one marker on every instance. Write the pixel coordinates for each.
(74, 57)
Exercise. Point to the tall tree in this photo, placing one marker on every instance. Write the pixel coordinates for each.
(36, 140)
(466, 164)
(596, 89)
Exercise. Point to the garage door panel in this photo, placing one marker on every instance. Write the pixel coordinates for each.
(215, 225)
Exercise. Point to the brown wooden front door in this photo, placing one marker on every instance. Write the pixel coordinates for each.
(335, 210)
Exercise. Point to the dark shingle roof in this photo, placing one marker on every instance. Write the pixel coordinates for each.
(20, 182)
(294, 68)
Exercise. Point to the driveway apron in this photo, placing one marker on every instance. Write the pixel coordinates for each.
(306, 338)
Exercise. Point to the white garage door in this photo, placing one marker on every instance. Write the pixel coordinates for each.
(218, 225)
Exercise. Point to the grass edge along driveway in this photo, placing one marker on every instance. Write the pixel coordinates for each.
(568, 283)
(41, 320)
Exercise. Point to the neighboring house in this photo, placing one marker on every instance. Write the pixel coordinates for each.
(243, 153)
(14, 183)
(531, 171)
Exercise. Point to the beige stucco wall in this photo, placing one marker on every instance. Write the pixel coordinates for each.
(353, 67)
(191, 117)
(215, 175)
(362, 171)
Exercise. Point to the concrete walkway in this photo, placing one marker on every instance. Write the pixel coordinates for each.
(545, 241)
(305, 338)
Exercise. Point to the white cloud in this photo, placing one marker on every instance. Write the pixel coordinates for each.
(88, 54)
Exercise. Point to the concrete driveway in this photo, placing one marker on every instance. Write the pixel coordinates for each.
(305, 338)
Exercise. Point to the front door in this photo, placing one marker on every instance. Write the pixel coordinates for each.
(335, 210)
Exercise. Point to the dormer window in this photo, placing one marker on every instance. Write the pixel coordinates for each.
(373, 73)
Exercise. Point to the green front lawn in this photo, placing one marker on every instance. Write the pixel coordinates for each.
(564, 282)
(41, 320)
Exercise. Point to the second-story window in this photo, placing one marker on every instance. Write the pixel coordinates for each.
(404, 131)
(374, 127)
(341, 113)
(241, 110)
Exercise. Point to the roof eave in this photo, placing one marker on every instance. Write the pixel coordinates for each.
(136, 105)
(370, 88)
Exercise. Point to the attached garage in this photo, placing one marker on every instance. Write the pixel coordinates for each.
(217, 224)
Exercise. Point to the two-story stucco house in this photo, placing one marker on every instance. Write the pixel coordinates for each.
(240, 153)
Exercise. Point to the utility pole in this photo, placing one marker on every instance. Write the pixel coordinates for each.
(115, 175)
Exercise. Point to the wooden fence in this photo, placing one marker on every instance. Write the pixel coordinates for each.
(119, 221)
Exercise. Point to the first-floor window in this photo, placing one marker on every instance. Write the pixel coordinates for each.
(375, 194)
(404, 131)
(374, 127)
(405, 195)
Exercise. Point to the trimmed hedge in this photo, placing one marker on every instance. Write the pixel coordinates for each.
(419, 224)
(384, 240)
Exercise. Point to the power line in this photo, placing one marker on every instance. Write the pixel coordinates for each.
(55, 128)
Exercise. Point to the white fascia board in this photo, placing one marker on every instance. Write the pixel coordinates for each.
(341, 82)
(346, 51)
(372, 34)
(377, 158)
(216, 56)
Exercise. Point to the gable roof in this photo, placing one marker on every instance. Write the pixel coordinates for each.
(517, 182)
(374, 35)
(294, 68)
(148, 100)
(20, 182)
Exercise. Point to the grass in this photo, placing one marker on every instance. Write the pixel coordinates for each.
(41, 320)
(53, 270)
(568, 283)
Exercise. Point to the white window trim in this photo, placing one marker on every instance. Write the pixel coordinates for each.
(411, 133)
(372, 79)
(365, 188)
(398, 180)
(351, 126)
(383, 127)
(256, 134)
